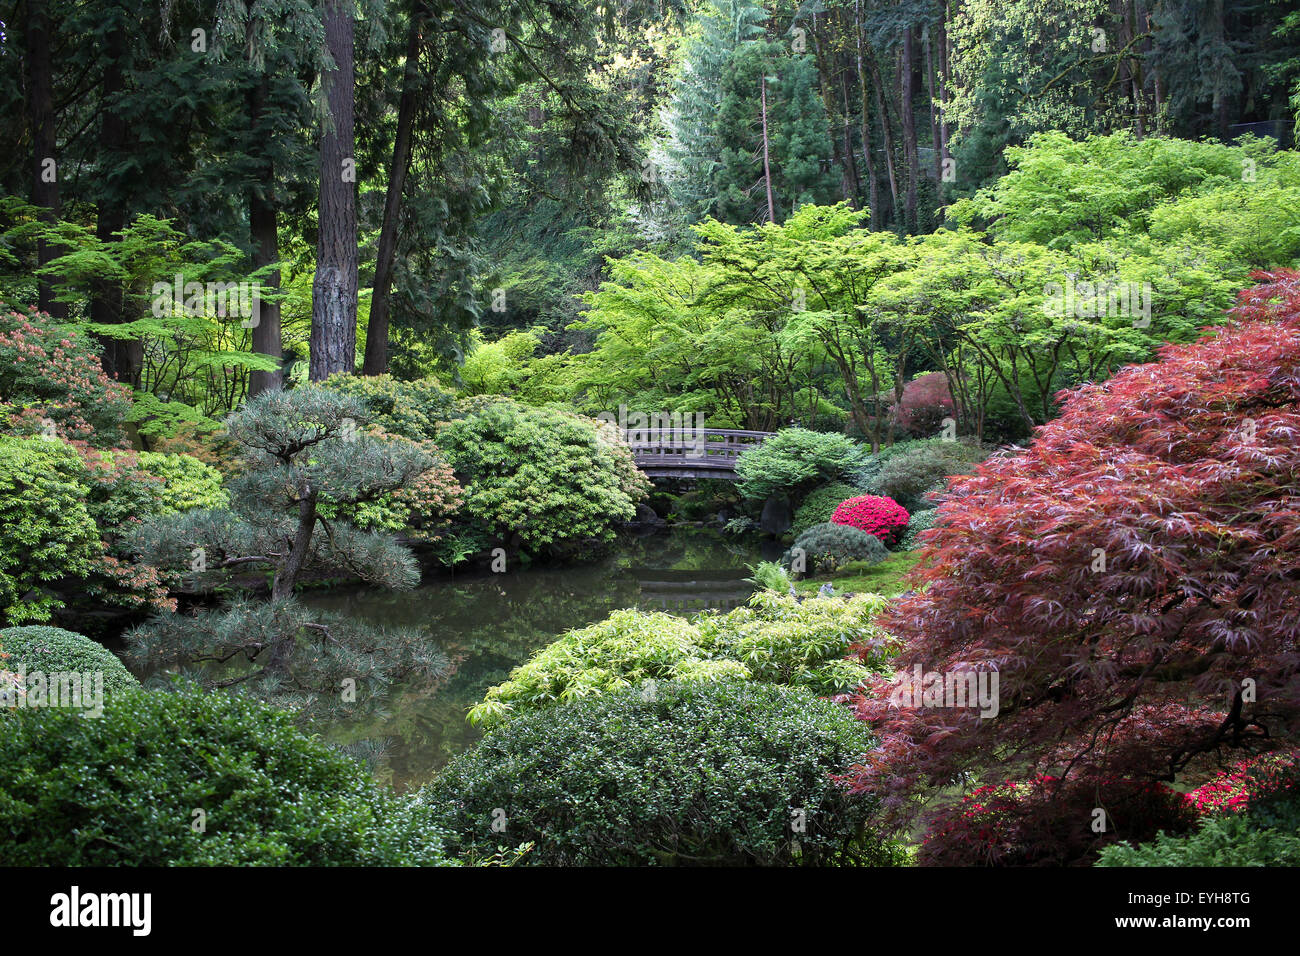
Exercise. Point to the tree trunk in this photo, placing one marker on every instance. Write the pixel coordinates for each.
(908, 117)
(264, 235)
(334, 289)
(123, 360)
(864, 86)
(376, 360)
(286, 576)
(767, 164)
(45, 186)
(889, 137)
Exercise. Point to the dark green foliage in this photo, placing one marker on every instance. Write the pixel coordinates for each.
(669, 774)
(50, 649)
(820, 504)
(914, 468)
(920, 521)
(123, 790)
(794, 460)
(827, 547)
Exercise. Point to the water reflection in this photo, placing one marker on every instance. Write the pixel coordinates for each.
(491, 623)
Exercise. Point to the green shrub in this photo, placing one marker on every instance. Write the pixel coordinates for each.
(794, 460)
(717, 773)
(820, 504)
(47, 534)
(187, 482)
(775, 639)
(908, 470)
(50, 649)
(123, 790)
(544, 477)
(1220, 841)
(413, 410)
(920, 521)
(828, 547)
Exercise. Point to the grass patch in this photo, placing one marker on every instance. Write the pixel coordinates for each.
(885, 578)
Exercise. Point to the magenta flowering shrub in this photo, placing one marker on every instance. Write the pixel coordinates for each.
(1256, 778)
(883, 517)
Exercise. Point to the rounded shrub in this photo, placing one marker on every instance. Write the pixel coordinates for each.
(50, 649)
(544, 477)
(914, 469)
(130, 788)
(820, 505)
(411, 409)
(716, 773)
(883, 518)
(828, 547)
(793, 461)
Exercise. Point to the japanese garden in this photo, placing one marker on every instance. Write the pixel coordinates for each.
(504, 433)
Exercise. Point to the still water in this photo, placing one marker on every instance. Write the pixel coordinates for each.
(489, 623)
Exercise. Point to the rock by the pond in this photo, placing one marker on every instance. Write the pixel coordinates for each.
(777, 515)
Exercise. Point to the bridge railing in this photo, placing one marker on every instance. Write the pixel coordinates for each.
(704, 448)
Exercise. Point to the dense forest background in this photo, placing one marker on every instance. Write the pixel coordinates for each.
(413, 182)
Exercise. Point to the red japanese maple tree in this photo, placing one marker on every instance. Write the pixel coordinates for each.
(1133, 577)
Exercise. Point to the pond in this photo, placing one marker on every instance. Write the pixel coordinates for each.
(489, 623)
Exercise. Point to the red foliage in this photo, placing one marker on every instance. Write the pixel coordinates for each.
(1124, 575)
(1049, 822)
(883, 517)
(926, 402)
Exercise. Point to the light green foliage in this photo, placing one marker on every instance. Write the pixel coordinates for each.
(497, 368)
(122, 790)
(828, 547)
(668, 774)
(47, 533)
(775, 639)
(187, 482)
(793, 460)
(544, 476)
(820, 505)
(770, 575)
(51, 649)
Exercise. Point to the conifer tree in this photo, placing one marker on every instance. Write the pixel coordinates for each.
(300, 450)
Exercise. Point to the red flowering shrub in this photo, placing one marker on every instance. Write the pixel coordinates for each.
(1124, 575)
(1049, 822)
(883, 517)
(51, 382)
(1257, 778)
(926, 402)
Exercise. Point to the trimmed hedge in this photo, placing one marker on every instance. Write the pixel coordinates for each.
(50, 649)
(828, 547)
(168, 779)
(718, 773)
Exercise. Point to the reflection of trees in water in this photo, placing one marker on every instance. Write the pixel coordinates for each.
(492, 623)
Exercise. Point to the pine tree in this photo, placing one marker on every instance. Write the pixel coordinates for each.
(301, 450)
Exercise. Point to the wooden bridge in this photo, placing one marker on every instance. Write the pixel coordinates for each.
(690, 452)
